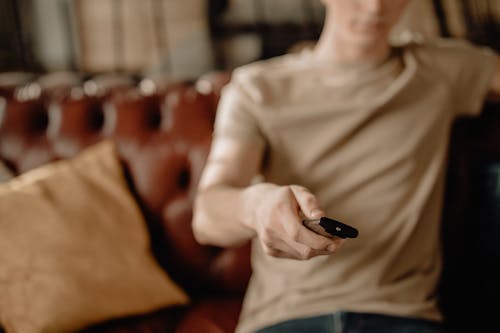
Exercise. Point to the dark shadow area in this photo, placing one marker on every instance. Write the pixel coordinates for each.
(471, 225)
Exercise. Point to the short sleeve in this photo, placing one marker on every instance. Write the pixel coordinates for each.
(236, 116)
(470, 69)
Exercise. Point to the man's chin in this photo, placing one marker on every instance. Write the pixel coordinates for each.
(370, 40)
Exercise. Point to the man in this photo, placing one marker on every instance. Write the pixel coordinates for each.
(356, 130)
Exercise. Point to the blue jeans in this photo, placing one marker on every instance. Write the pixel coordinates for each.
(352, 322)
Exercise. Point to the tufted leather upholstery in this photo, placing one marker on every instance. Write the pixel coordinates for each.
(163, 131)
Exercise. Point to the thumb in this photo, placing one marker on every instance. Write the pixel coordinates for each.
(308, 203)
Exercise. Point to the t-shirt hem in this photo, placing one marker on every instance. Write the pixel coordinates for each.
(251, 326)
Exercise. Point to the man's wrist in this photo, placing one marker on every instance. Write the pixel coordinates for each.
(252, 199)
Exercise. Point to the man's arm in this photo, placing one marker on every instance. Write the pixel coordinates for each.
(230, 211)
(230, 168)
(494, 92)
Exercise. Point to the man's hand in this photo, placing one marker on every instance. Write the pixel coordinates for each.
(277, 221)
(229, 211)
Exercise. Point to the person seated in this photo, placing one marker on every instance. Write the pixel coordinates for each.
(355, 129)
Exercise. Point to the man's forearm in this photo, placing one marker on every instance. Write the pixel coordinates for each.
(222, 215)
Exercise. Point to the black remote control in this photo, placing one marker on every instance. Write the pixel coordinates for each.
(329, 227)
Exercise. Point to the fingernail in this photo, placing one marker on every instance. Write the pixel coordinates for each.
(316, 213)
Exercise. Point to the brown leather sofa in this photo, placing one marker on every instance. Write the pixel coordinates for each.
(163, 131)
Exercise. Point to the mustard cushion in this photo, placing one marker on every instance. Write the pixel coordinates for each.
(74, 248)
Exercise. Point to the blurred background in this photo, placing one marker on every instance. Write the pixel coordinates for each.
(187, 38)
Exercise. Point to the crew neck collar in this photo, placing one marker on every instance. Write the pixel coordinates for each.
(353, 67)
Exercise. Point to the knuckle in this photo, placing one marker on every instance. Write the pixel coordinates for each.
(306, 253)
(339, 241)
(267, 241)
(336, 244)
(267, 232)
(271, 251)
(332, 247)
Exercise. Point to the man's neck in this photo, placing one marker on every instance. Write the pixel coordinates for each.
(332, 48)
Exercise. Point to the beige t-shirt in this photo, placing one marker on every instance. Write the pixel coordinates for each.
(371, 144)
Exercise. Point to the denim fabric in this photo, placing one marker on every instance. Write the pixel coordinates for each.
(351, 322)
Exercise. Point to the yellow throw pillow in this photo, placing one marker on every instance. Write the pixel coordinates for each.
(74, 248)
